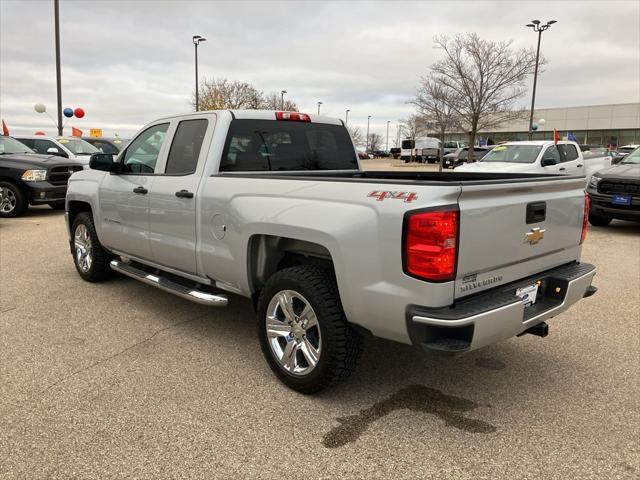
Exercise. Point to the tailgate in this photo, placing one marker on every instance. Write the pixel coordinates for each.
(498, 244)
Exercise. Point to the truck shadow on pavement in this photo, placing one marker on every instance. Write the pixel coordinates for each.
(417, 398)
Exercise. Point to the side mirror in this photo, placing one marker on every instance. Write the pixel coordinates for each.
(53, 150)
(102, 161)
(548, 162)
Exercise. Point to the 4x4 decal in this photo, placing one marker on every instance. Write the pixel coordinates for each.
(380, 195)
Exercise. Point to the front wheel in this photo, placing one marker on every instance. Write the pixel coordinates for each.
(303, 331)
(90, 258)
(599, 220)
(13, 201)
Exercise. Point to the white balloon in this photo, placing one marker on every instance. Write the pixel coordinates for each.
(40, 107)
(542, 121)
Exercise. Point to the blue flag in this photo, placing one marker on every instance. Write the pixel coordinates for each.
(571, 137)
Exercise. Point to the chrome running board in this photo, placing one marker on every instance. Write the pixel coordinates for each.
(197, 296)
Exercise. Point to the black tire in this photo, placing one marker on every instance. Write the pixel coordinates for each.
(57, 206)
(99, 268)
(15, 203)
(341, 344)
(599, 220)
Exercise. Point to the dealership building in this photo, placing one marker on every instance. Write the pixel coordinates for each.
(614, 124)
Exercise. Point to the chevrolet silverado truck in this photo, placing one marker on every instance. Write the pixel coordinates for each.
(274, 207)
(27, 178)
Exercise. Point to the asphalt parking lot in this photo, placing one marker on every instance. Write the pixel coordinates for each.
(122, 380)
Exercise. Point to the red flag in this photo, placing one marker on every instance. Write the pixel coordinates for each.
(76, 132)
(5, 130)
(556, 136)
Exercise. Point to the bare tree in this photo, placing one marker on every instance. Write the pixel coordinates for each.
(437, 103)
(220, 94)
(357, 136)
(273, 101)
(375, 142)
(487, 77)
(413, 126)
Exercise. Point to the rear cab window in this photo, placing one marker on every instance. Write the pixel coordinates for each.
(272, 145)
(569, 152)
(186, 146)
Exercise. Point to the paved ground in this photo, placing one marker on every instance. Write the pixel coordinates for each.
(122, 380)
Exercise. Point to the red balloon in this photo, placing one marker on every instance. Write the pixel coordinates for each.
(78, 112)
(39, 133)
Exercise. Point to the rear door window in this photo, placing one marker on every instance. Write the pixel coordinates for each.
(570, 152)
(272, 145)
(186, 145)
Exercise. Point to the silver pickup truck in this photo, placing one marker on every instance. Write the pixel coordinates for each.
(273, 206)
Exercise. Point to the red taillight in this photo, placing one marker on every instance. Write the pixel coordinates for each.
(585, 219)
(293, 116)
(431, 243)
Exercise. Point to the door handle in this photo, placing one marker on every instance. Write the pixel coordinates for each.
(562, 169)
(184, 194)
(140, 190)
(579, 165)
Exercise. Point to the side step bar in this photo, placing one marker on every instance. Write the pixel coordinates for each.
(197, 296)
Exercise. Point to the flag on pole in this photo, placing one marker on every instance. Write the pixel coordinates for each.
(556, 136)
(76, 132)
(5, 129)
(571, 137)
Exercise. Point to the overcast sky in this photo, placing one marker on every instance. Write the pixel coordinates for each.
(127, 63)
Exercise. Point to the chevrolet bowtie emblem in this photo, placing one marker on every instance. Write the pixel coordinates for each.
(535, 235)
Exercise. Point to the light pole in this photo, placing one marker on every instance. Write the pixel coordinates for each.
(282, 99)
(196, 41)
(346, 117)
(366, 150)
(58, 72)
(388, 122)
(319, 103)
(537, 27)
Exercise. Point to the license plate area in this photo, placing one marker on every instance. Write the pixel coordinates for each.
(528, 294)
(621, 200)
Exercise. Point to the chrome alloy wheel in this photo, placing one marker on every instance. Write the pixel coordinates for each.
(9, 201)
(293, 332)
(82, 246)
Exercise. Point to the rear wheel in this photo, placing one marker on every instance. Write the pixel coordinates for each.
(90, 258)
(303, 331)
(14, 202)
(599, 220)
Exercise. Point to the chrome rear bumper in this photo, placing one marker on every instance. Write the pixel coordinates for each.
(498, 314)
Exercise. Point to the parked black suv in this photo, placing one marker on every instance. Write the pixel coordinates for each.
(615, 192)
(29, 178)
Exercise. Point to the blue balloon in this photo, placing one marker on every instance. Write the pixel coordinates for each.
(534, 127)
(68, 112)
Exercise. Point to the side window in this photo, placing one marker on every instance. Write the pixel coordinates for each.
(142, 154)
(552, 153)
(41, 146)
(570, 152)
(29, 142)
(186, 145)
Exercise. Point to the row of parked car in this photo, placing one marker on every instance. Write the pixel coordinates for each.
(35, 169)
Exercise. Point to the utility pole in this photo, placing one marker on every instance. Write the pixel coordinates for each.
(366, 150)
(196, 41)
(56, 8)
(282, 99)
(319, 103)
(535, 24)
(388, 122)
(346, 117)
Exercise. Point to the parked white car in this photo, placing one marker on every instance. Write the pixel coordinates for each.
(541, 156)
(73, 148)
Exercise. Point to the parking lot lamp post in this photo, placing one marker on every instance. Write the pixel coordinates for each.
(58, 72)
(196, 41)
(388, 122)
(282, 99)
(537, 27)
(366, 150)
(346, 117)
(319, 103)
